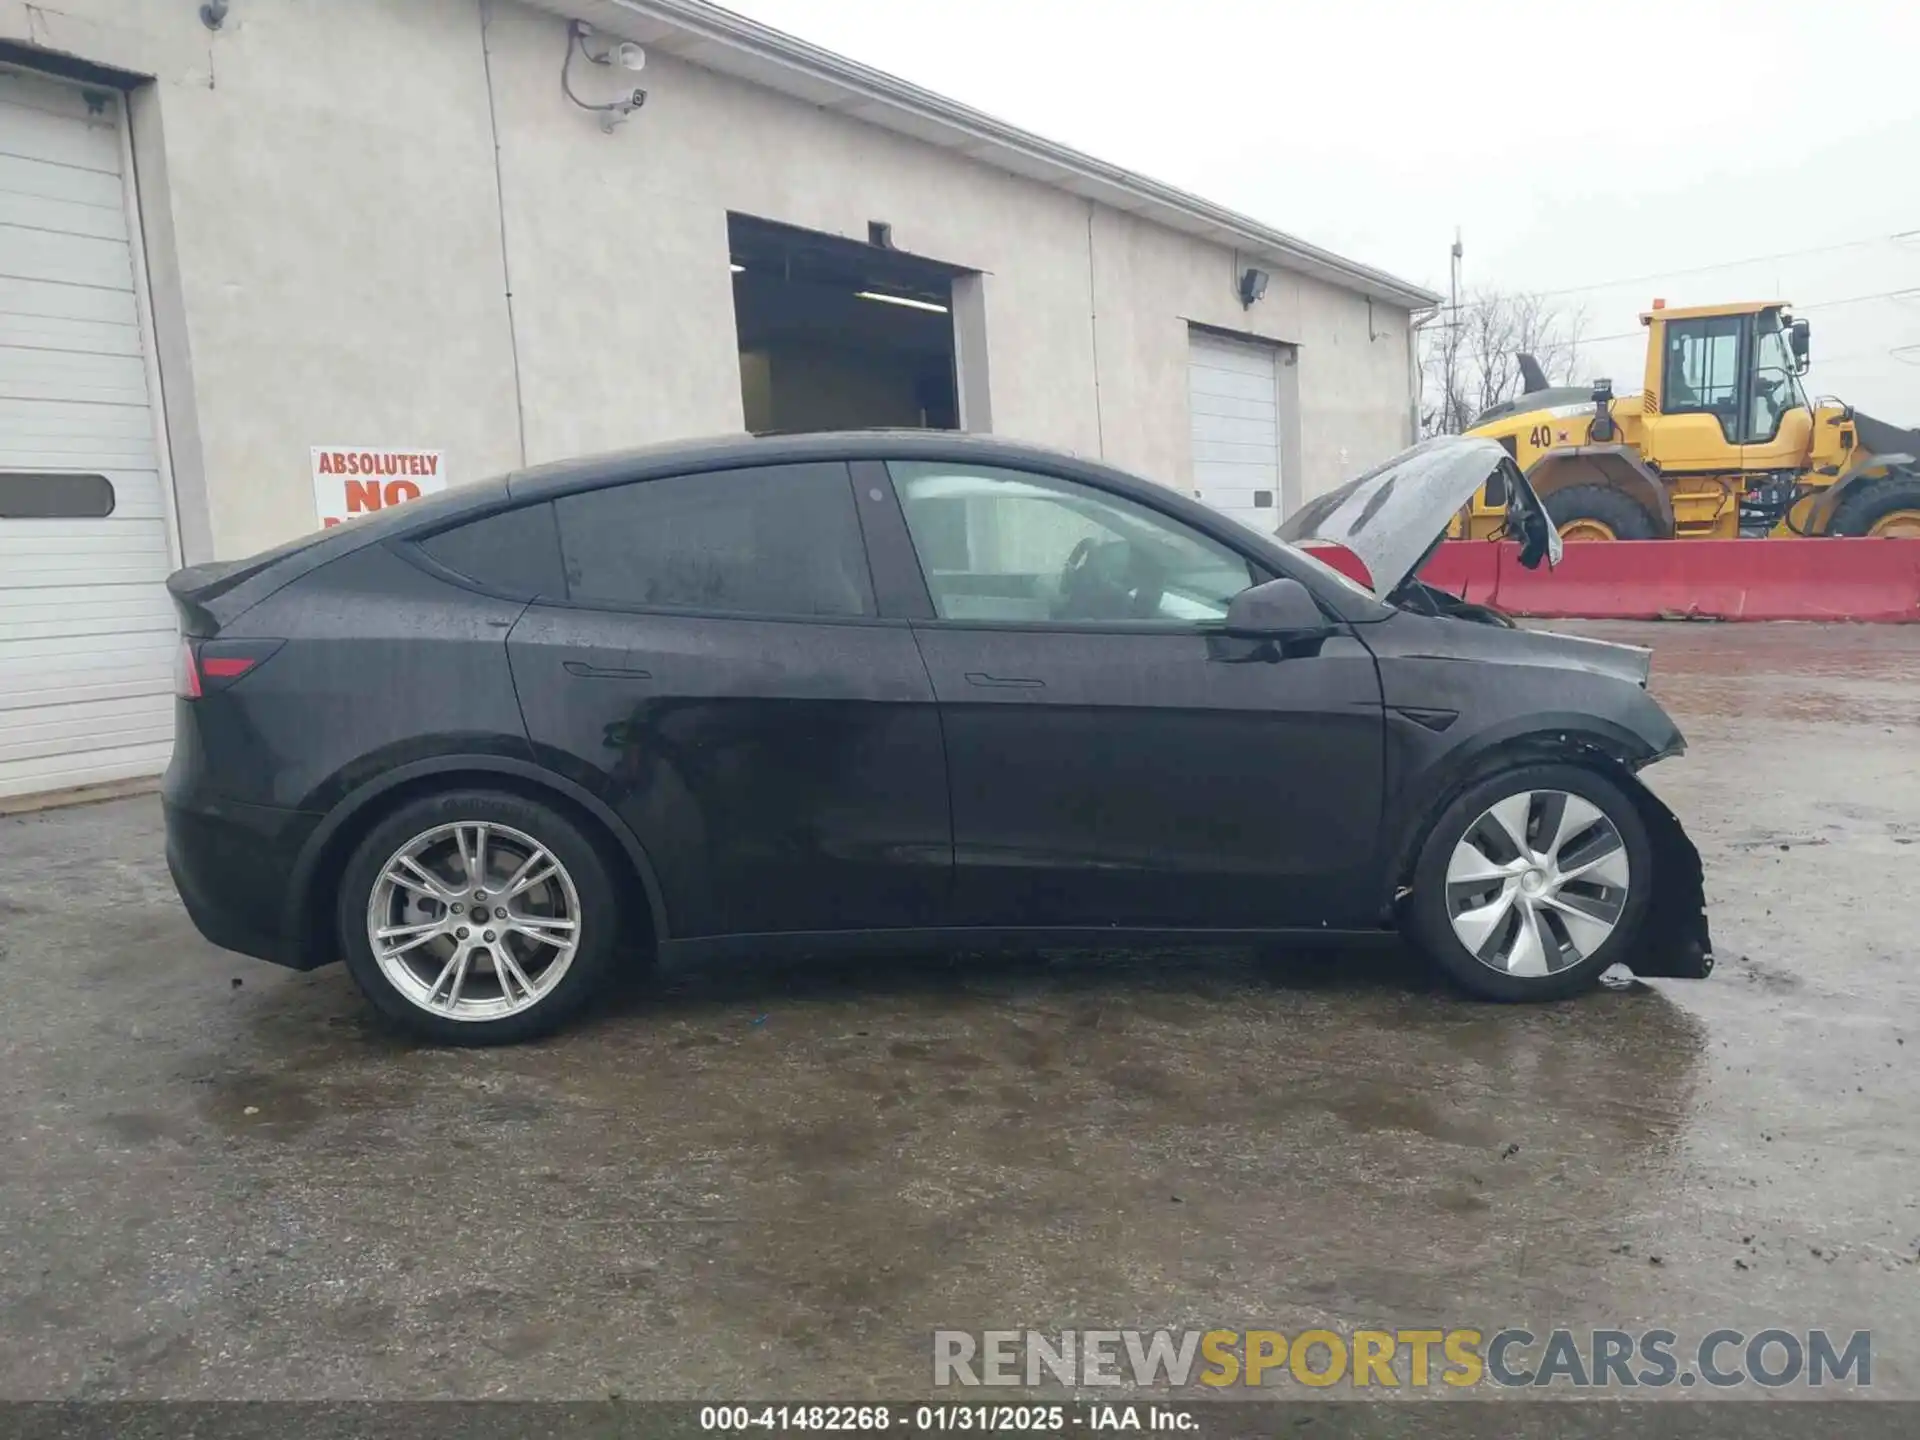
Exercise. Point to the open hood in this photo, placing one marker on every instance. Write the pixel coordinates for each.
(1393, 516)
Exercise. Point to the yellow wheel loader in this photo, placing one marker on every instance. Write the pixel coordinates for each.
(1722, 442)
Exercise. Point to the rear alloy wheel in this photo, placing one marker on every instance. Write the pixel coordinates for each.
(1595, 512)
(1532, 883)
(477, 918)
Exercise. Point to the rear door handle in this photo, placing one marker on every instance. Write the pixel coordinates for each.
(597, 672)
(1008, 682)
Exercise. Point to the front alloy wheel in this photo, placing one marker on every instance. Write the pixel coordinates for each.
(1532, 881)
(1538, 883)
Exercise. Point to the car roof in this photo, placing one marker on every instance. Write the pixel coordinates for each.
(724, 452)
(240, 585)
(727, 452)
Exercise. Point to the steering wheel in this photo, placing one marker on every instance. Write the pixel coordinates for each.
(1079, 586)
(1105, 580)
(1076, 562)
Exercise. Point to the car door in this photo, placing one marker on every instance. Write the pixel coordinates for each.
(717, 672)
(1113, 759)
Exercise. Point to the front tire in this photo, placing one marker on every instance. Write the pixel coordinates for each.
(478, 918)
(1889, 507)
(1598, 512)
(1531, 883)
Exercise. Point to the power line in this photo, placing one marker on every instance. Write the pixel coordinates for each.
(1905, 290)
(1798, 310)
(1894, 239)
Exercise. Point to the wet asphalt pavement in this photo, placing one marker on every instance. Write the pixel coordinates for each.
(224, 1180)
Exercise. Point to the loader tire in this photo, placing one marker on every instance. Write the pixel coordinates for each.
(1880, 507)
(1595, 512)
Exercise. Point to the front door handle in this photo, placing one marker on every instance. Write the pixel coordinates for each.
(1004, 682)
(597, 672)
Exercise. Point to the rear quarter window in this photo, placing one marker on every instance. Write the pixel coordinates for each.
(516, 552)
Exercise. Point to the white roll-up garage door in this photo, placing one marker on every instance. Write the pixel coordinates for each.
(1234, 399)
(86, 630)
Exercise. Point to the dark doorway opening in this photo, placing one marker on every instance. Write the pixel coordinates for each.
(837, 335)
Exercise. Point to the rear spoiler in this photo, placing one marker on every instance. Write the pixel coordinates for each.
(198, 589)
(211, 596)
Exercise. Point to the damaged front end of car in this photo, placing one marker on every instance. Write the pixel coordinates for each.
(1495, 694)
(1675, 943)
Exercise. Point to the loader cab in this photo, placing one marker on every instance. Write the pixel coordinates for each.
(1726, 385)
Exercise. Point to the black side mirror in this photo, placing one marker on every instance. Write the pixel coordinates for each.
(1278, 610)
(1800, 341)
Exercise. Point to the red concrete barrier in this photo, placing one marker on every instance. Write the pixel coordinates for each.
(1469, 571)
(1869, 580)
(1338, 557)
(1817, 579)
(1468, 568)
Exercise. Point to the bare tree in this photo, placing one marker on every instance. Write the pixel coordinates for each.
(1471, 355)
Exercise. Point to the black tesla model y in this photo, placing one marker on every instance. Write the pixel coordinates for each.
(893, 691)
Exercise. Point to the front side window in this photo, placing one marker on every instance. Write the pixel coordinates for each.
(1703, 369)
(771, 540)
(1005, 545)
(1776, 379)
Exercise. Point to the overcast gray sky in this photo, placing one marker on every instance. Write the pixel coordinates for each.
(1576, 145)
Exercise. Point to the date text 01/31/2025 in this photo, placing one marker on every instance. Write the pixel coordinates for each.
(975, 1419)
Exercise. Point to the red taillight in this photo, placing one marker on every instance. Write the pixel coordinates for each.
(186, 673)
(208, 666)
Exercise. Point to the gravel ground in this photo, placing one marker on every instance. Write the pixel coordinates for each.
(221, 1180)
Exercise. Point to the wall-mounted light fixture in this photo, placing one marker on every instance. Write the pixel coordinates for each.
(1253, 284)
(601, 50)
(213, 14)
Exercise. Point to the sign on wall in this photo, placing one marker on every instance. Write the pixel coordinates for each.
(350, 480)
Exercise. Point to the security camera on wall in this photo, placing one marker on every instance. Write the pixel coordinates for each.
(615, 115)
(603, 50)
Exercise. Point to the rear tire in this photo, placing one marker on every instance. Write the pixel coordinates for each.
(1877, 501)
(1598, 506)
(488, 958)
(1579, 877)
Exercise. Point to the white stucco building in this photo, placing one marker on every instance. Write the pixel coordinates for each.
(230, 237)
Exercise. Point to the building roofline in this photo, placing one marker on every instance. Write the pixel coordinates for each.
(718, 39)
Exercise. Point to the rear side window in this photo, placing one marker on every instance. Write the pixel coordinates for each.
(514, 553)
(771, 540)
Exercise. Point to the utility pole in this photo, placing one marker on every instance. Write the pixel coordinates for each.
(1452, 340)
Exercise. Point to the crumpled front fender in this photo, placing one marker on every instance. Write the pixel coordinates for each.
(1674, 942)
